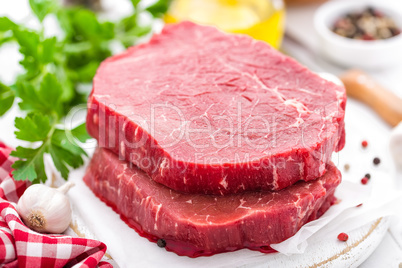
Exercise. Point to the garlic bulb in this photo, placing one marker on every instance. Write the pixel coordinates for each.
(45, 209)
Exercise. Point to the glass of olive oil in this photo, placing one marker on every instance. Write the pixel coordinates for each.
(261, 19)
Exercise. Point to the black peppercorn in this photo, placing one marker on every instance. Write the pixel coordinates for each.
(376, 161)
(161, 243)
(369, 24)
(371, 10)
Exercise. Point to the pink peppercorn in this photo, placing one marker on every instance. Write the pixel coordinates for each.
(343, 237)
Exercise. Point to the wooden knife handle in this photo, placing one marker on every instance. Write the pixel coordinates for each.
(362, 87)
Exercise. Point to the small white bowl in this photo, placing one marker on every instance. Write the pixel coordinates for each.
(377, 54)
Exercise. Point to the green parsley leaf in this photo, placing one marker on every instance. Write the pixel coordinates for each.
(65, 152)
(158, 8)
(87, 72)
(86, 24)
(29, 96)
(6, 98)
(134, 34)
(81, 133)
(30, 168)
(69, 158)
(6, 24)
(50, 93)
(58, 156)
(28, 41)
(34, 127)
(42, 7)
(46, 99)
(65, 139)
(48, 49)
(135, 2)
(6, 37)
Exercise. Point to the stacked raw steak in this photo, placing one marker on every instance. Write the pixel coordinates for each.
(214, 142)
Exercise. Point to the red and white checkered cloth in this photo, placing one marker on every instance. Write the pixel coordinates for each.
(22, 247)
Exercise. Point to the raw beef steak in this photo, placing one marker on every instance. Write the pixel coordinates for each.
(196, 224)
(201, 111)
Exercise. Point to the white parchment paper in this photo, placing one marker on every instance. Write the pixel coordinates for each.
(345, 216)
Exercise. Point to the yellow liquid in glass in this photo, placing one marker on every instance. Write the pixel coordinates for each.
(261, 19)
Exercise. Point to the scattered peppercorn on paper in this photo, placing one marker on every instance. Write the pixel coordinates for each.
(22, 247)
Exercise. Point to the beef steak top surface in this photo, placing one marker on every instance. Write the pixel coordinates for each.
(195, 102)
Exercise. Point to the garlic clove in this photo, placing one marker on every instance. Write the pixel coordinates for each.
(45, 209)
(65, 187)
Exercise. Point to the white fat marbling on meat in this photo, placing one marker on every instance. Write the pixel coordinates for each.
(158, 208)
(298, 122)
(278, 94)
(242, 186)
(322, 166)
(164, 165)
(123, 172)
(308, 92)
(242, 202)
(255, 78)
(206, 219)
(99, 96)
(223, 182)
(323, 127)
(275, 174)
(301, 109)
(145, 200)
(301, 169)
(330, 117)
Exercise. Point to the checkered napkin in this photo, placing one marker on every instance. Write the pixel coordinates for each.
(22, 247)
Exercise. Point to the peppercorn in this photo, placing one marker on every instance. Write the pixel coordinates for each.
(370, 24)
(376, 161)
(368, 176)
(364, 180)
(346, 167)
(364, 144)
(161, 243)
(343, 237)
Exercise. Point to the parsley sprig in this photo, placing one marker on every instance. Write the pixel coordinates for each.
(54, 69)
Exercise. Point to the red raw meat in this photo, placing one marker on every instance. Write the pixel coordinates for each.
(201, 111)
(196, 224)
